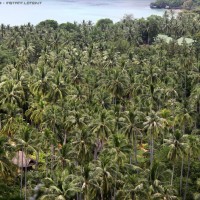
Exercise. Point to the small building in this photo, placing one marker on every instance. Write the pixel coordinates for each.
(22, 161)
(164, 38)
(183, 40)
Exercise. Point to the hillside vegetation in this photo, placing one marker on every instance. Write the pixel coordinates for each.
(185, 4)
(105, 111)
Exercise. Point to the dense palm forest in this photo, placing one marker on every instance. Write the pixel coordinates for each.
(106, 111)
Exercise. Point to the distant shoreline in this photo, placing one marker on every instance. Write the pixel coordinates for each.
(165, 7)
(168, 5)
(176, 10)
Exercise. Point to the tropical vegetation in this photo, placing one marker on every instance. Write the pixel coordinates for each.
(174, 4)
(106, 110)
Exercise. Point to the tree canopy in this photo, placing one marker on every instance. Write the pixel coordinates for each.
(106, 110)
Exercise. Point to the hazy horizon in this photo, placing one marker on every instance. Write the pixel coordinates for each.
(74, 10)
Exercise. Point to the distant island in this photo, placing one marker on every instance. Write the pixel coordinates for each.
(175, 4)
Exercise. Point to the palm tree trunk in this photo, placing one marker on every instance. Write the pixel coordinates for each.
(80, 196)
(172, 178)
(21, 181)
(181, 178)
(135, 148)
(37, 159)
(65, 138)
(96, 149)
(132, 196)
(95, 153)
(185, 79)
(115, 188)
(151, 151)
(25, 177)
(52, 159)
(86, 191)
(0, 123)
(101, 194)
(130, 159)
(197, 116)
(188, 172)
(77, 196)
(46, 160)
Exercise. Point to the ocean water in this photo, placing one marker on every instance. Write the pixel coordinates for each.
(34, 11)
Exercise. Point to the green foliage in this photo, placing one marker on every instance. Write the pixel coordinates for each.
(10, 192)
(185, 4)
(68, 26)
(48, 23)
(102, 111)
(103, 23)
(169, 3)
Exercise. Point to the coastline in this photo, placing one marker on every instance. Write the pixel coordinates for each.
(175, 10)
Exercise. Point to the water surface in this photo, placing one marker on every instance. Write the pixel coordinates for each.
(72, 10)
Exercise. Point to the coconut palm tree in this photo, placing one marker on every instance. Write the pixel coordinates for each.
(24, 143)
(193, 152)
(83, 142)
(154, 125)
(64, 187)
(177, 149)
(132, 129)
(102, 126)
(11, 92)
(106, 171)
(91, 182)
(6, 167)
(41, 84)
(195, 103)
(118, 149)
(37, 111)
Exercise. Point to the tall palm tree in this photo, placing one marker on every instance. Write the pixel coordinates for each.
(83, 142)
(118, 149)
(41, 85)
(193, 152)
(37, 111)
(132, 128)
(102, 127)
(64, 187)
(24, 143)
(195, 102)
(177, 149)
(106, 171)
(154, 125)
(91, 182)
(11, 92)
(6, 167)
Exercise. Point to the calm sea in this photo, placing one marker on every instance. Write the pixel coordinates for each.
(34, 11)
